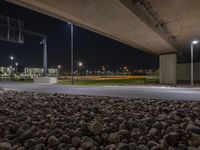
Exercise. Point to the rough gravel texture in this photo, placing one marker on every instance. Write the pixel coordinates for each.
(39, 121)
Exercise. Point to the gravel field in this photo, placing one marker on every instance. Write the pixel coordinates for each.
(39, 121)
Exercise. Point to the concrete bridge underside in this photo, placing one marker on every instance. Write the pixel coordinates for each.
(162, 27)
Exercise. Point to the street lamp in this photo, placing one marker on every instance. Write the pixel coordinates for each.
(11, 61)
(80, 64)
(11, 57)
(16, 65)
(59, 68)
(44, 43)
(192, 72)
(72, 52)
(103, 68)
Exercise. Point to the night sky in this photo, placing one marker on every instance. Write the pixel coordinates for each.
(91, 48)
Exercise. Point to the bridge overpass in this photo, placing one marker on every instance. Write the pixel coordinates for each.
(163, 27)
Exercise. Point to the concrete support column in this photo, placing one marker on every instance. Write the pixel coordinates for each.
(168, 68)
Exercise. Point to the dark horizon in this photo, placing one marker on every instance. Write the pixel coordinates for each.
(93, 49)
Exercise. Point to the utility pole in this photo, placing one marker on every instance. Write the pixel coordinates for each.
(72, 54)
(44, 43)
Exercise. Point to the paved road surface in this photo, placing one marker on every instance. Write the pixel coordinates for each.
(116, 91)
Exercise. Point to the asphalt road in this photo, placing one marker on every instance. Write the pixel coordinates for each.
(114, 91)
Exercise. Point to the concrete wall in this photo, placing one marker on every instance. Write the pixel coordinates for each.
(183, 72)
(168, 68)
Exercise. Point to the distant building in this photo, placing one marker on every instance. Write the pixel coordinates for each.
(5, 71)
(53, 71)
(39, 71)
(32, 72)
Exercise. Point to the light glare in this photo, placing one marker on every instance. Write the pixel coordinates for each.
(59, 66)
(195, 42)
(11, 57)
(80, 64)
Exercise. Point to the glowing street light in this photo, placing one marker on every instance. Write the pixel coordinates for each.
(80, 64)
(11, 58)
(195, 42)
(103, 68)
(59, 67)
(16, 65)
(192, 69)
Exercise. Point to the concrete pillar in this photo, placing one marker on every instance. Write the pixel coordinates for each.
(168, 68)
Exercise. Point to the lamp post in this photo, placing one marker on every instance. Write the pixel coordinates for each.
(44, 43)
(16, 65)
(59, 68)
(11, 61)
(72, 52)
(80, 64)
(192, 61)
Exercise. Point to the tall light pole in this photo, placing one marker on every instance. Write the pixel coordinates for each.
(11, 61)
(192, 61)
(44, 43)
(72, 53)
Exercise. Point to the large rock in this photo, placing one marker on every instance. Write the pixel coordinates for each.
(29, 143)
(87, 143)
(132, 146)
(96, 127)
(154, 132)
(28, 134)
(83, 125)
(171, 139)
(53, 141)
(152, 144)
(114, 138)
(104, 137)
(76, 141)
